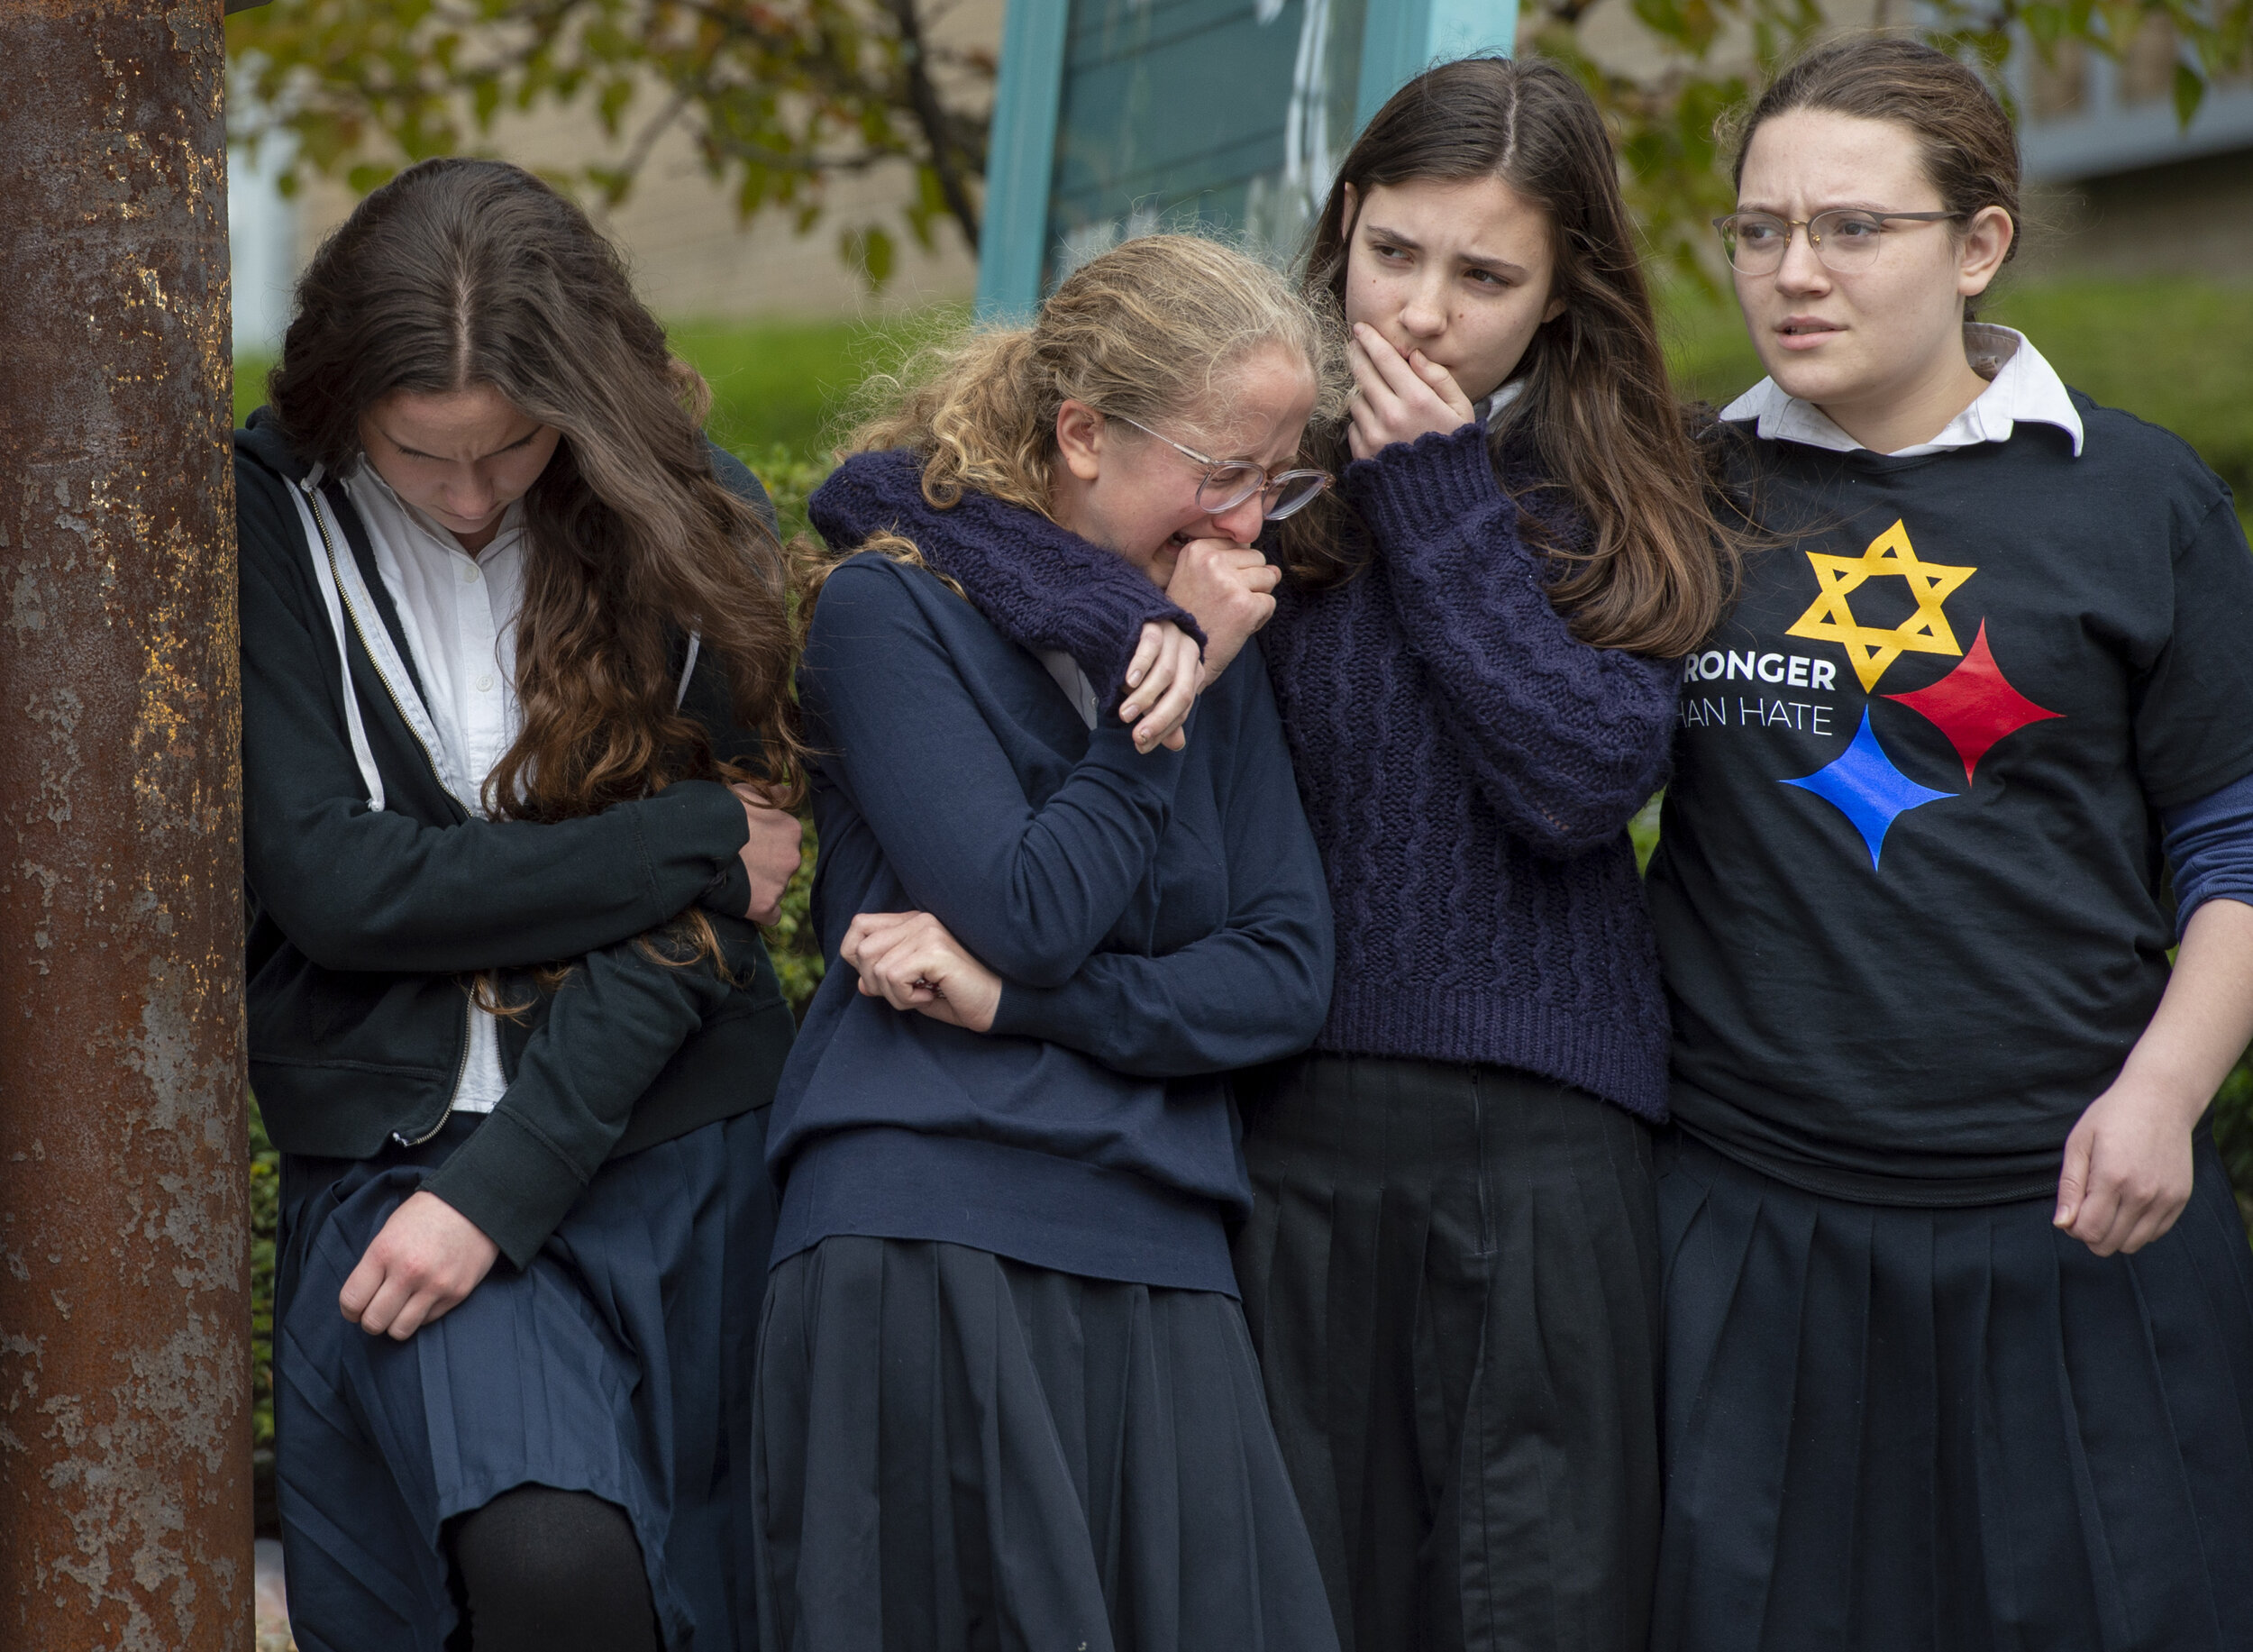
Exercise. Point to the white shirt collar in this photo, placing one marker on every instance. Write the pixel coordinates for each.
(458, 613)
(2021, 387)
(1490, 406)
(366, 482)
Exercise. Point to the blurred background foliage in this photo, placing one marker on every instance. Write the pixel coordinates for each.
(784, 101)
(781, 99)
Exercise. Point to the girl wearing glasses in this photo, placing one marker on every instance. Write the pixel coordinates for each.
(1451, 1269)
(1004, 1394)
(1959, 1309)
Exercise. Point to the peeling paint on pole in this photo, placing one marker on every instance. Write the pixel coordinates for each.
(124, 1320)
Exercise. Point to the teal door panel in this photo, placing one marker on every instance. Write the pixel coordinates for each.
(1115, 117)
(1168, 100)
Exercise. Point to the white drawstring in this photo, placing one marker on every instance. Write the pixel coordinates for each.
(696, 641)
(325, 576)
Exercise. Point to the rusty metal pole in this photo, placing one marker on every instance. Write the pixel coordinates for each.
(124, 1318)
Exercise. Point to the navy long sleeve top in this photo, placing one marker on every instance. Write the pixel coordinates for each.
(1157, 919)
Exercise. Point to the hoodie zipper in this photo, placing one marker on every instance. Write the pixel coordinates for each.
(461, 1066)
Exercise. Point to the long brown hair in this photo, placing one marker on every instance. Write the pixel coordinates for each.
(1597, 405)
(474, 272)
(1150, 330)
(1969, 147)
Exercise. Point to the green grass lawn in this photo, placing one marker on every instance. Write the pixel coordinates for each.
(2176, 352)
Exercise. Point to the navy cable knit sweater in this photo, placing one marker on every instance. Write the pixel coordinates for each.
(1469, 768)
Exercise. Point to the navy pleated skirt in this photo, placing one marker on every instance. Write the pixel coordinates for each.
(618, 1363)
(960, 1453)
(1451, 1274)
(1950, 1430)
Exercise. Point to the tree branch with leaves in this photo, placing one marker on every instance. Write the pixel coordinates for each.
(779, 98)
(1708, 58)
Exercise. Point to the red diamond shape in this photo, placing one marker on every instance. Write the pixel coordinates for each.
(1974, 705)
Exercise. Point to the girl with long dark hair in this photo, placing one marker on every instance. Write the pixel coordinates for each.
(1451, 1268)
(515, 659)
(1960, 1307)
(1006, 1398)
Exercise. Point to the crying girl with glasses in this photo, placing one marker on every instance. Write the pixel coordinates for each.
(1002, 1322)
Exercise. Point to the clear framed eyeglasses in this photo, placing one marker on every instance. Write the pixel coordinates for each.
(1228, 482)
(1846, 239)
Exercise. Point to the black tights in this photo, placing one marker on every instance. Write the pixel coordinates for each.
(547, 1571)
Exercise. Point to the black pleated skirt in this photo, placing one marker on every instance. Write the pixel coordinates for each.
(1950, 1430)
(618, 1362)
(1451, 1274)
(960, 1453)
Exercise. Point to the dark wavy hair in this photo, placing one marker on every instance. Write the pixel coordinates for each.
(1598, 408)
(474, 272)
(459, 273)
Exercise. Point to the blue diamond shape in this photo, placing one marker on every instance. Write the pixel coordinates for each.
(1867, 789)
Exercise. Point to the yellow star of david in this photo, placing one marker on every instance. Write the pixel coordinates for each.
(1830, 619)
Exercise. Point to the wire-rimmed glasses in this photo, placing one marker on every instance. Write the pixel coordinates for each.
(1228, 482)
(1845, 238)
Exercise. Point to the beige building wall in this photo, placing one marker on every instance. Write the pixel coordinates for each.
(2191, 217)
(694, 258)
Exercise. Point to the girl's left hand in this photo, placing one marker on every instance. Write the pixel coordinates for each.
(2127, 1171)
(422, 1263)
(1399, 398)
(909, 961)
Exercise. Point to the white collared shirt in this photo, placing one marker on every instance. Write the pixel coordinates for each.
(1486, 407)
(458, 613)
(2021, 386)
(1073, 682)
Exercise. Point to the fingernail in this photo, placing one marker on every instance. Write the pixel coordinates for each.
(1134, 678)
(1126, 713)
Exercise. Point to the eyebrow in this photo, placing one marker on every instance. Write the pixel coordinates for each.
(1477, 261)
(417, 452)
(1777, 212)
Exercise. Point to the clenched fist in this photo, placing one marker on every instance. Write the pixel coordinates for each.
(1230, 590)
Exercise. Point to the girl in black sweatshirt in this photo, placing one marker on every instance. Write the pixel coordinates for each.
(514, 666)
(1959, 1309)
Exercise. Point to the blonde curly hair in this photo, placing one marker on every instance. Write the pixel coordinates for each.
(1148, 331)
